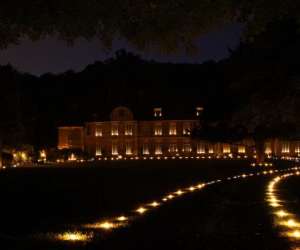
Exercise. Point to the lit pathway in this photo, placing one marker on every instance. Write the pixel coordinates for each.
(92, 232)
(287, 222)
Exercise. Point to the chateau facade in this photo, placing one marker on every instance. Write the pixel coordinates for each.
(122, 136)
(125, 136)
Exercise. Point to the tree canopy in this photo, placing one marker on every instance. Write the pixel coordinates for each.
(166, 25)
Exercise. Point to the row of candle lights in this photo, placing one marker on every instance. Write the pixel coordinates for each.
(182, 157)
(285, 220)
(88, 230)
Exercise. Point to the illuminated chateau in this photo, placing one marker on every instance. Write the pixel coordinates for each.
(125, 136)
(159, 136)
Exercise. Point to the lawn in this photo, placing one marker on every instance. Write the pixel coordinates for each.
(42, 199)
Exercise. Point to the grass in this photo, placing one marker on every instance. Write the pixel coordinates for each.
(37, 199)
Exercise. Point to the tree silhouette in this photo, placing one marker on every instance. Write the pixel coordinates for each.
(165, 25)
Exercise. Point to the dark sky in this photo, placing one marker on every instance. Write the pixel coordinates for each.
(53, 55)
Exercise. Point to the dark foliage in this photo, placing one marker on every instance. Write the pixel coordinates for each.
(164, 25)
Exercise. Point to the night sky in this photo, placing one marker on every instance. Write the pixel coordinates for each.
(53, 55)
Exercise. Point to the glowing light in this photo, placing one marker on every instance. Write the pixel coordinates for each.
(191, 188)
(281, 213)
(170, 196)
(294, 234)
(122, 218)
(72, 157)
(141, 210)
(154, 204)
(106, 225)
(274, 204)
(43, 154)
(290, 223)
(74, 236)
(241, 149)
(179, 192)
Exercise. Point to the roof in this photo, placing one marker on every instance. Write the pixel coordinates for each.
(147, 114)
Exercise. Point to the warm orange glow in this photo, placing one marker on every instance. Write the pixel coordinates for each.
(141, 210)
(72, 157)
(179, 192)
(241, 149)
(43, 154)
(293, 234)
(122, 218)
(281, 213)
(170, 196)
(74, 236)
(154, 204)
(290, 223)
(106, 225)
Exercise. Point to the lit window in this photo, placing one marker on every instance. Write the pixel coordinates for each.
(226, 149)
(114, 149)
(268, 148)
(146, 149)
(98, 131)
(157, 112)
(210, 150)
(199, 110)
(172, 129)
(128, 129)
(98, 150)
(186, 129)
(187, 148)
(158, 149)
(114, 130)
(173, 148)
(297, 149)
(200, 148)
(157, 129)
(241, 149)
(285, 148)
(128, 149)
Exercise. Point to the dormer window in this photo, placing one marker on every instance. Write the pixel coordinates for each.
(199, 110)
(157, 112)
